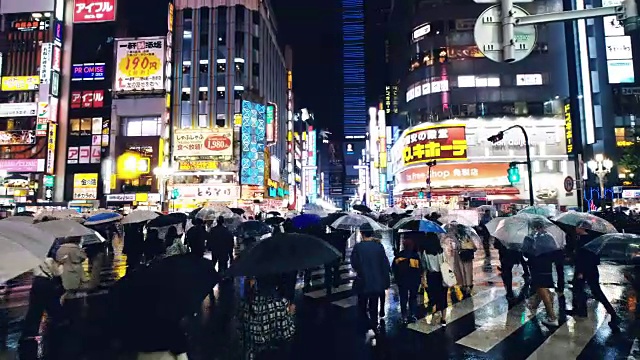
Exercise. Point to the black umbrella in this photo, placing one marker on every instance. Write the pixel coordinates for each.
(181, 216)
(274, 220)
(274, 213)
(169, 290)
(25, 213)
(164, 220)
(283, 253)
(253, 228)
(237, 211)
(331, 218)
(192, 214)
(362, 208)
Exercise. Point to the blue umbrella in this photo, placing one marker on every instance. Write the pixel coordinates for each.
(305, 220)
(102, 218)
(429, 226)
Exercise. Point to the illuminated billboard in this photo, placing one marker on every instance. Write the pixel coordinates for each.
(437, 142)
(253, 139)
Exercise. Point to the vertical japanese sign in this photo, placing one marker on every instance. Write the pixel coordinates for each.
(271, 122)
(91, 11)
(140, 65)
(45, 62)
(252, 144)
(568, 127)
(51, 149)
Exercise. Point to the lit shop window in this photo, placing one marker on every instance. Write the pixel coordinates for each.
(528, 79)
(142, 126)
(471, 81)
(434, 86)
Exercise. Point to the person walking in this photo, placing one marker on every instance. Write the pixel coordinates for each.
(196, 238)
(153, 246)
(463, 253)
(369, 261)
(407, 272)
(133, 245)
(44, 297)
(587, 273)
(486, 237)
(433, 258)
(540, 248)
(220, 244)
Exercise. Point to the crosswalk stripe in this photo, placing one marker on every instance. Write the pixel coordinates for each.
(459, 310)
(347, 302)
(323, 292)
(495, 329)
(321, 271)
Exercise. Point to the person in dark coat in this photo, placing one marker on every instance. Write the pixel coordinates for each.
(336, 239)
(133, 245)
(587, 273)
(221, 245)
(369, 261)
(196, 238)
(407, 272)
(153, 245)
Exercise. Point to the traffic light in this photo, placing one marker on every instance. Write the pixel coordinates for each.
(513, 174)
(175, 193)
(496, 138)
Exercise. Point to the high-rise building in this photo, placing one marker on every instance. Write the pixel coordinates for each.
(355, 107)
(226, 54)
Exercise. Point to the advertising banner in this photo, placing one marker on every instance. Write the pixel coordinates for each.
(253, 143)
(207, 191)
(73, 154)
(202, 142)
(271, 122)
(88, 72)
(84, 156)
(466, 174)
(18, 109)
(51, 149)
(20, 83)
(18, 137)
(139, 65)
(92, 11)
(85, 186)
(20, 165)
(91, 99)
(45, 62)
(437, 142)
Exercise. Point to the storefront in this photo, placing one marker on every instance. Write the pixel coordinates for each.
(471, 170)
(139, 201)
(208, 190)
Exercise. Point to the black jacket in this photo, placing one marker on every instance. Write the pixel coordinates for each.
(196, 239)
(220, 241)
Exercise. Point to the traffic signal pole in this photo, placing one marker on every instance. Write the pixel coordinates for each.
(500, 135)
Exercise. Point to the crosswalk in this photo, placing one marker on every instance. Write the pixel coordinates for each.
(485, 324)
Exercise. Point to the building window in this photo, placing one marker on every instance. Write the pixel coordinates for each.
(221, 121)
(220, 94)
(185, 116)
(237, 94)
(142, 126)
(222, 38)
(203, 120)
(255, 69)
(528, 79)
(221, 67)
(222, 14)
(255, 43)
(239, 67)
(471, 81)
(622, 140)
(240, 15)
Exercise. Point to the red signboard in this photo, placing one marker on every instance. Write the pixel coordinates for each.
(436, 142)
(76, 99)
(87, 99)
(90, 11)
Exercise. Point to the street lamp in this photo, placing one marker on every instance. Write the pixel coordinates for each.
(430, 164)
(601, 167)
(163, 173)
(498, 137)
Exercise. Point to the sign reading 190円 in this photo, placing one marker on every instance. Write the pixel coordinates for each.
(140, 65)
(437, 142)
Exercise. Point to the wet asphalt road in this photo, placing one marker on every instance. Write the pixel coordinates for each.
(329, 328)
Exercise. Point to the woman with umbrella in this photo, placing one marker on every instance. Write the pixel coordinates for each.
(463, 253)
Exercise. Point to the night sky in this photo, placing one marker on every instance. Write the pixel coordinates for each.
(313, 29)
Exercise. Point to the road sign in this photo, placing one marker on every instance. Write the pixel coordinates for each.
(488, 34)
(569, 184)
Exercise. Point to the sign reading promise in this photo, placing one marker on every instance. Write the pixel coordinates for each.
(437, 142)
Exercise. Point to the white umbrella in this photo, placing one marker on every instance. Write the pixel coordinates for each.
(212, 212)
(351, 221)
(456, 218)
(22, 247)
(64, 228)
(57, 214)
(138, 216)
(20, 219)
(511, 231)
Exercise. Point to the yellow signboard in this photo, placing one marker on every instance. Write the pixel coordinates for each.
(51, 148)
(20, 83)
(203, 165)
(568, 128)
(85, 186)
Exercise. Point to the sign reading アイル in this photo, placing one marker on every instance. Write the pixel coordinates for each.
(139, 65)
(90, 11)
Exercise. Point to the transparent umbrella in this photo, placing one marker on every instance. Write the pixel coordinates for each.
(139, 216)
(352, 221)
(56, 214)
(393, 210)
(592, 222)
(617, 247)
(427, 211)
(545, 211)
(210, 213)
(458, 219)
(512, 231)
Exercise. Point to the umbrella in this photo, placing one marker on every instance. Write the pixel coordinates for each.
(314, 209)
(210, 213)
(305, 220)
(93, 238)
(21, 219)
(545, 211)
(512, 231)
(291, 214)
(25, 213)
(597, 224)
(616, 247)
(362, 208)
(252, 228)
(283, 253)
(168, 290)
(164, 221)
(394, 210)
(57, 214)
(352, 221)
(415, 223)
(456, 218)
(274, 220)
(103, 218)
(181, 216)
(99, 211)
(64, 228)
(139, 216)
(427, 211)
(274, 213)
(22, 247)
(237, 211)
(331, 218)
(193, 213)
(465, 230)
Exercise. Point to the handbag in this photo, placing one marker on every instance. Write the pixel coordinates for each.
(448, 277)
